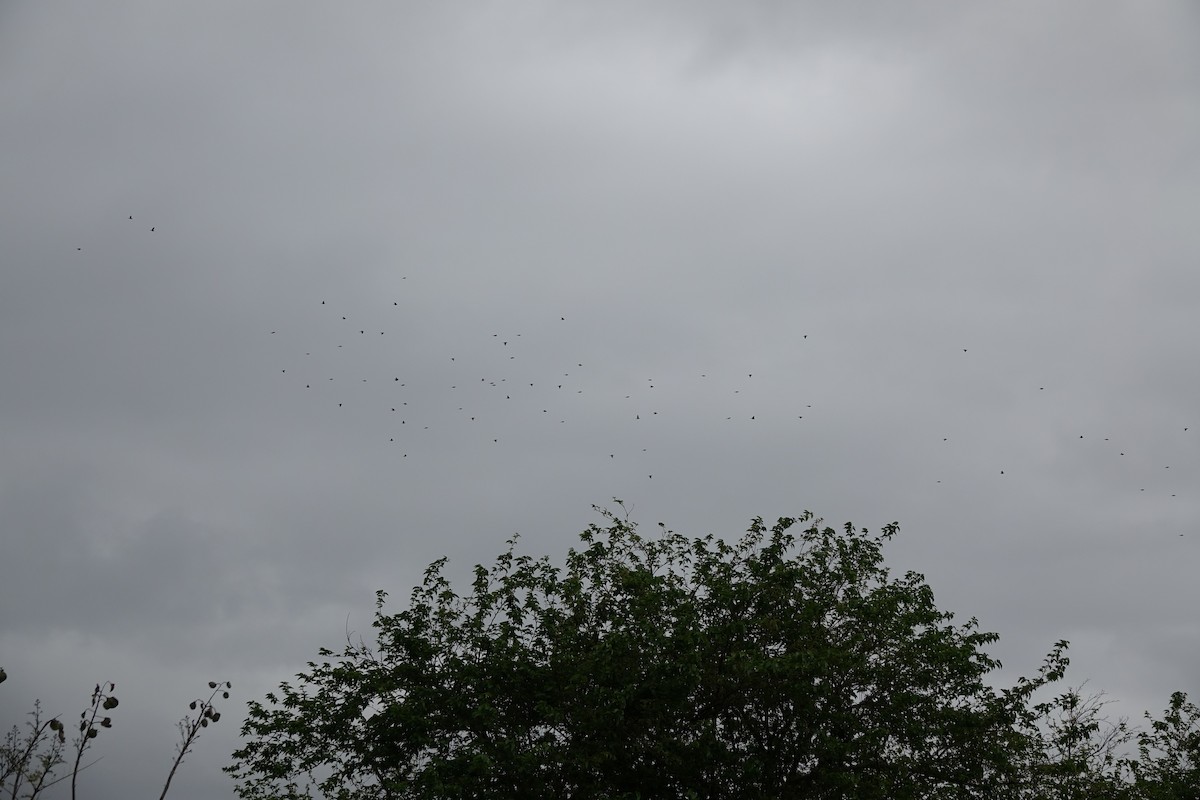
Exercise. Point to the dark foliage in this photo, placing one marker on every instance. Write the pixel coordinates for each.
(788, 664)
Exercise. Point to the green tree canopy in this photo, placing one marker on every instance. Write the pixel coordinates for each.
(788, 664)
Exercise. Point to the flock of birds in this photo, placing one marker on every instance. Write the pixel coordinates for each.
(539, 394)
(505, 386)
(488, 390)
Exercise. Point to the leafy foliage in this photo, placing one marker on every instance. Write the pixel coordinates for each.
(1169, 750)
(1076, 749)
(788, 664)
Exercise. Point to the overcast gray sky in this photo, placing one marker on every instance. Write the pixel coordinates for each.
(403, 279)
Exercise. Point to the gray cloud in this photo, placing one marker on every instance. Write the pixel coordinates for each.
(776, 256)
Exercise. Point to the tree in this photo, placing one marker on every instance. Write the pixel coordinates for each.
(29, 761)
(1168, 767)
(1076, 751)
(785, 665)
